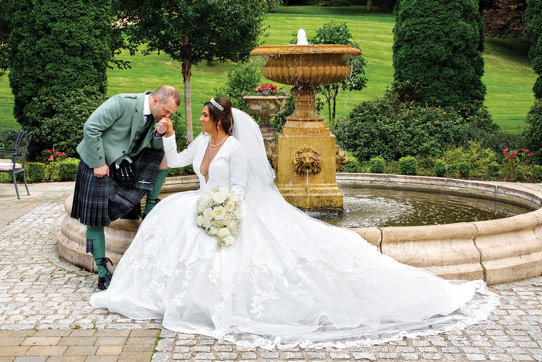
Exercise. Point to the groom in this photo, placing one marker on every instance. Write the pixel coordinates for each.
(117, 168)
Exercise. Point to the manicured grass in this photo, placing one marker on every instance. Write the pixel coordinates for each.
(508, 73)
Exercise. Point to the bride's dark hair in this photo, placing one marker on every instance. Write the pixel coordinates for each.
(225, 116)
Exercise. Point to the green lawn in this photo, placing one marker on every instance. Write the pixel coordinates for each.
(508, 74)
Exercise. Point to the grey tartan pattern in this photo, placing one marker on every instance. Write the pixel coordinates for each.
(99, 201)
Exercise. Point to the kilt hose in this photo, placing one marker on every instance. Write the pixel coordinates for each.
(99, 201)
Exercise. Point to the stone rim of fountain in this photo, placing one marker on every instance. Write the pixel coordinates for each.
(498, 251)
(294, 49)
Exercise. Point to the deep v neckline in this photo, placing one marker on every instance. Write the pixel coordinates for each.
(214, 158)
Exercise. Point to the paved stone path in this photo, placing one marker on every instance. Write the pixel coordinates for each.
(45, 316)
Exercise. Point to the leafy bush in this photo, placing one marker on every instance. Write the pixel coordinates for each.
(536, 173)
(440, 168)
(533, 133)
(493, 169)
(241, 77)
(533, 17)
(520, 173)
(35, 171)
(463, 168)
(353, 165)
(408, 165)
(67, 169)
(180, 130)
(62, 117)
(383, 127)
(474, 155)
(377, 165)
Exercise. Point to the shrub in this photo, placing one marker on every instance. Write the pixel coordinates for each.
(493, 169)
(440, 168)
(479, 158)
(520, 173)
(374, 128)
(408, 165)
(58, 47)
(386, 127)
(536, 173)
(439, 45)
(35, 171)
(463, 168)
(474, 155)
(533, 133)
(180, 130)
(533, 17)
(62, 117)
(67, 169)
(241, 77)
(353, 165)
(377, 165)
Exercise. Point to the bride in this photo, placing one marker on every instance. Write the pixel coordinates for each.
(288, 279)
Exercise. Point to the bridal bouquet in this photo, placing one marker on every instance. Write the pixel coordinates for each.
(218, 213)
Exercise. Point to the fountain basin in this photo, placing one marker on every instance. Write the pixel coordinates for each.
(497, 251)
(306, 64)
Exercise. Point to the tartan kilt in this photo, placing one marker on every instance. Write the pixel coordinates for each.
(99, 201)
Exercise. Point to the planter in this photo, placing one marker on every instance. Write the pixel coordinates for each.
(266, 107)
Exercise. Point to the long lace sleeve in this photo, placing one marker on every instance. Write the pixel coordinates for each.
(238, 170)
(182, 159)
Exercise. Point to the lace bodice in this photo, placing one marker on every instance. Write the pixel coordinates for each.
(227, 169)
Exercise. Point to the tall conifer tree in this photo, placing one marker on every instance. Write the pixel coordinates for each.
(438, 46)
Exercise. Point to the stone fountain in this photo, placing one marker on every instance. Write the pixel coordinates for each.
(306, 148)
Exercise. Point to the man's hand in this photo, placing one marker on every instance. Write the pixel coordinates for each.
(165, 126)
(101, 171)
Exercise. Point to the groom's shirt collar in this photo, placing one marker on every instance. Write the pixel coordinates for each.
(146, 107)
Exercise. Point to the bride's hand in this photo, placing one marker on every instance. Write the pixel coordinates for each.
(165, 126)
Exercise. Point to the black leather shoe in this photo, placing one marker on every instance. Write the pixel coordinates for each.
(104, 281)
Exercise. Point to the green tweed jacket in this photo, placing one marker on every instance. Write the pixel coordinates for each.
(111, 129)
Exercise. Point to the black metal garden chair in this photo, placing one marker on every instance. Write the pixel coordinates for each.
(13, 148)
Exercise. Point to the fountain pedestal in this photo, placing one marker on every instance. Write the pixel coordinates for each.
(306, 148)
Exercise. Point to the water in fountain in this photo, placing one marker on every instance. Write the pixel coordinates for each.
(366, 207)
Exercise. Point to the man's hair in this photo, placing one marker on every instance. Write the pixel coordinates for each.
(166, 91)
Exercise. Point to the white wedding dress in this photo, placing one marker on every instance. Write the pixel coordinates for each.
(288, 280)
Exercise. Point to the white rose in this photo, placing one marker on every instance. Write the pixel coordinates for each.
(206, 224)
(199, 220)
(224, 189)
(219, 197)
(223, 233)
(213, 231)
(230, 206)
(208, 213)
(229, 240)
(227, 219)
(219, 212)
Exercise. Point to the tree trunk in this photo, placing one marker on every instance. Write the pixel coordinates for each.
(187, 72)
(369, 5)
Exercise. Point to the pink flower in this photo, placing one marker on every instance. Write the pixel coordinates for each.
(51, 158)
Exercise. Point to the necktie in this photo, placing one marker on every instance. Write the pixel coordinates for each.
(148, 119)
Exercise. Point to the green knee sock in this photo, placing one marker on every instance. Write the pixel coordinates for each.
(152, 197)
(98, 248)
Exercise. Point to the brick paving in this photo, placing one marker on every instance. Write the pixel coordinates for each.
(45, 316)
